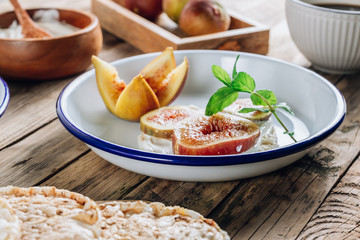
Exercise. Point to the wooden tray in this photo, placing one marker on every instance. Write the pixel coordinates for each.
(244, 34)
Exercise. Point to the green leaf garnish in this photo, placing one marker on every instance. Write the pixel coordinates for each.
(222, 75)
(222, 98)
(243, 82)
(263, 98)
(284, 106)
(234, 73)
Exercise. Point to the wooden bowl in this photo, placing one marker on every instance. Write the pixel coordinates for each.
(54, 57)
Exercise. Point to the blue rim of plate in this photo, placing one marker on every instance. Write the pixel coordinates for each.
(5, 100)
(218, 160)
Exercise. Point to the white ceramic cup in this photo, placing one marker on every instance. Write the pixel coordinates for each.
(329, 38)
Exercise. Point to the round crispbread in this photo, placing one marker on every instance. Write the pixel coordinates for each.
(9, 222)
(141, 220)
(50, 213)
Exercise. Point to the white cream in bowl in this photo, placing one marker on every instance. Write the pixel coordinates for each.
(47, 20)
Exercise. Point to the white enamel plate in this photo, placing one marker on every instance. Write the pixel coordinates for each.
(319, 110)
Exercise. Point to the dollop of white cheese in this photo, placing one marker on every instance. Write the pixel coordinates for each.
(47, 20)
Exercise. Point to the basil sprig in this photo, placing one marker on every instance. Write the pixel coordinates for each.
(264, 100)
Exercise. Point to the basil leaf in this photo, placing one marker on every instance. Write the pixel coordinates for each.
(222, 75)
(243, 82)
(253, 109)
(266, 94)
(284, 106)
(234, 73)
(222, 98)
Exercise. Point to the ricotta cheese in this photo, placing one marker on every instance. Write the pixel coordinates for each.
(46, 19)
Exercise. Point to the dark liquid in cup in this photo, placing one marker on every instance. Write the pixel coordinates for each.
(341, 7)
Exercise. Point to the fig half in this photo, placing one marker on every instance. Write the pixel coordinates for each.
(162, 121)
(240, 103)
(219, 134)
(109, 84)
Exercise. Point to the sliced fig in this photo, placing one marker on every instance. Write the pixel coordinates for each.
(219, 134)
(240, 103)
(161, 122)
(109, 84)
(137, 99)
(158, 69)
(173, 84)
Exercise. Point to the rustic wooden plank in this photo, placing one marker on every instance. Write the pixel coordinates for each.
(96, 178)
(339, 216)
(39, 155)
(31, 106)
(201, 197)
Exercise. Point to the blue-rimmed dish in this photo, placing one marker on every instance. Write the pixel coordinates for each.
(319, 107)
(4, 96)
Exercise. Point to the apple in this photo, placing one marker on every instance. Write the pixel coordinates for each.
(109, 84)
(240, 103)
(200, 17)
(161, 122)
(219, 134)
(137, 99)
(173, 8)
(149, 9)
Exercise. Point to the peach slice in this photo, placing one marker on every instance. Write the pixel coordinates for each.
(109, 84)
(158, 69)
(137, 99)
(173, 84)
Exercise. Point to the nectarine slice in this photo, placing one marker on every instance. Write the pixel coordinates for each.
(173, 84)
(109, 84)
(137, 99)
(218, 134)
(158, 69)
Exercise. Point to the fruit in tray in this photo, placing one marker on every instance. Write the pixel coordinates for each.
(158, 84)
(200, 17)
(218, 134)
(173, 8)
(149, 9)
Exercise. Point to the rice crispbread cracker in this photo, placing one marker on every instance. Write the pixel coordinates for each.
(140, 220)
(50, 213)
(9, 222)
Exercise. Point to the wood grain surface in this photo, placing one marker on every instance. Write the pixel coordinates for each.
(315, 198)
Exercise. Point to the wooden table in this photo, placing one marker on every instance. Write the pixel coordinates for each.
(317, 197)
